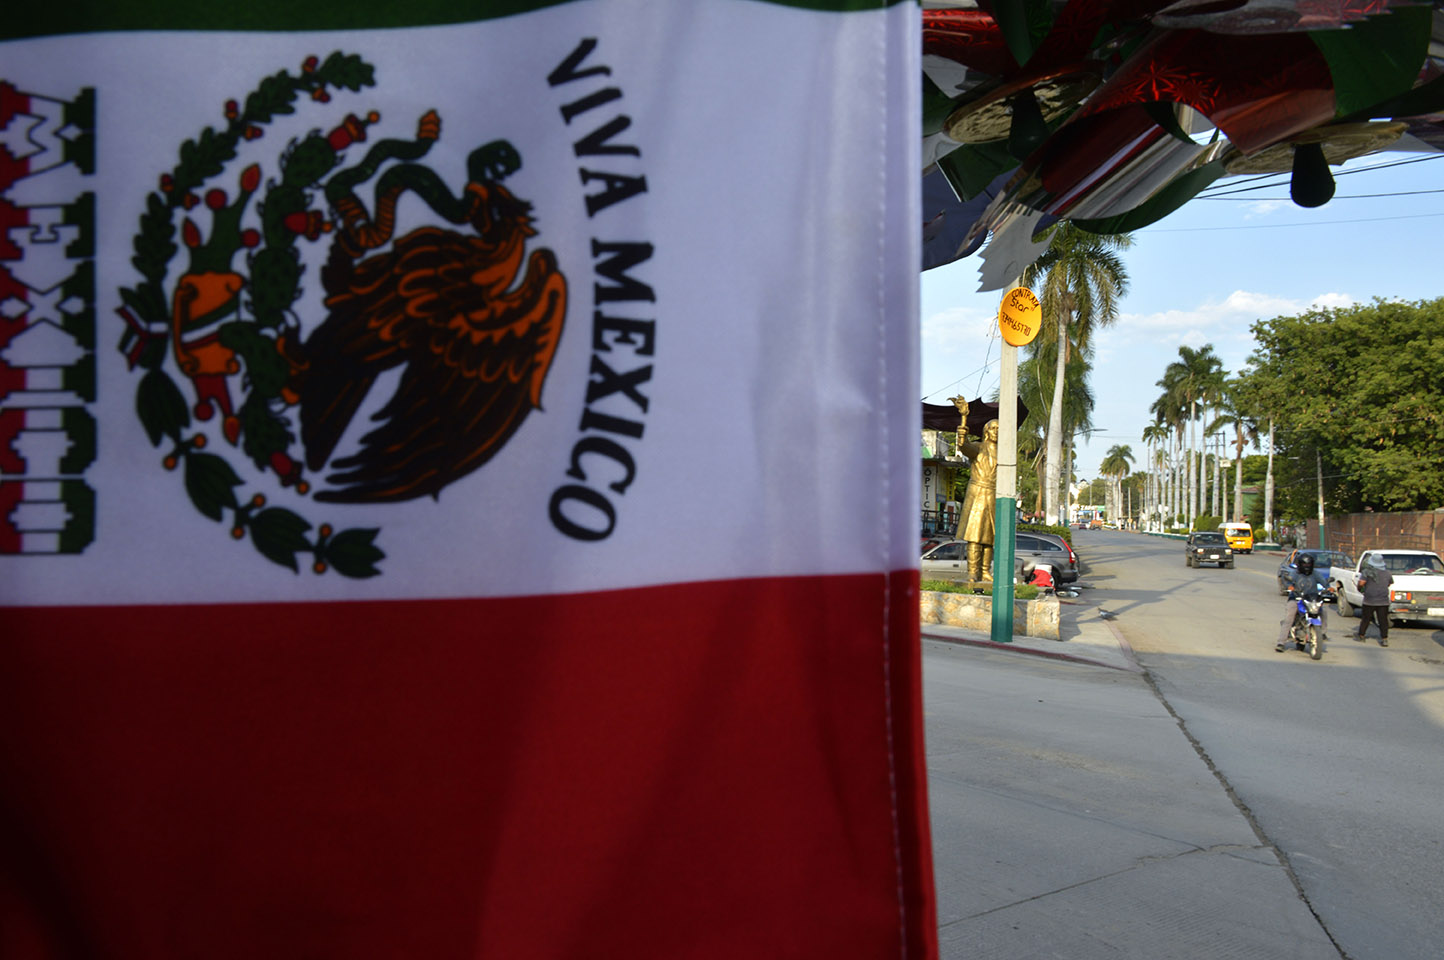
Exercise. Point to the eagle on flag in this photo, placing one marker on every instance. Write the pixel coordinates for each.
(469, 316)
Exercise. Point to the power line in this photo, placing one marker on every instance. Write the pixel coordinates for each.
(1350, 196)
(1392, 163)
(1214, 193)
(981, 371)
(949, 386)
(1277, 226)
(987, 359)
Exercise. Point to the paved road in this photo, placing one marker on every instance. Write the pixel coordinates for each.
(1072, 819)
(1340, 763)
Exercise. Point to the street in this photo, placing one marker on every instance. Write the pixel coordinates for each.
(1226, 759)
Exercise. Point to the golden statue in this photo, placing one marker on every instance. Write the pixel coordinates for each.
(975, 525)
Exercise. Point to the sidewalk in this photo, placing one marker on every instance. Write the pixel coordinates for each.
(1072, 817)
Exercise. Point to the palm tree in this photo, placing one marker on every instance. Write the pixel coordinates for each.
(1154, 435)
(1030, 452)
(1269, 487)
(1032, 440)
(1257, 394)
(1194, 378)
(1083, 280)
(1210, 474)
(1145, 490)
(1220, 445)
(1213, 442)
(1036, 375)
(1160, 467)
(1171, 412)
(1115, 466)
(1220, 442)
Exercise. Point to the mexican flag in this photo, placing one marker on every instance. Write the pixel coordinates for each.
(458, 481)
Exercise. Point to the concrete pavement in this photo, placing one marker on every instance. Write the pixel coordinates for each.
(1074, 818)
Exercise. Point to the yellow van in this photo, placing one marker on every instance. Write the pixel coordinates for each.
(1240, 537)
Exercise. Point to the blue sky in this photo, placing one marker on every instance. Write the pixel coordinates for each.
(1204, 275)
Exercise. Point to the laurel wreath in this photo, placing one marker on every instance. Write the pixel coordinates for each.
(210, 481)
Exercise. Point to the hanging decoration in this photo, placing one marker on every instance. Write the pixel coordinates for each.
(1115, 114)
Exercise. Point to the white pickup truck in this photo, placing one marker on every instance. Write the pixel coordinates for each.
(1417, 592)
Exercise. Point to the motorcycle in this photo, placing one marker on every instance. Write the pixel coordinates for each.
(1307, 632)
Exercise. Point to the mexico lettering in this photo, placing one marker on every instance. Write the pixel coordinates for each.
(47, 321)
(602, 465)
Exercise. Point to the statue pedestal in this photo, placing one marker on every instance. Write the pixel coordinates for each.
(1031, 618)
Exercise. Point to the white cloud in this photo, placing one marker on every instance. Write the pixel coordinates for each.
(1226, 324)
(1328, 301)
(1260, 305)
(1166, 320)
(957, 328)
(958, 343)
(1214, 318)
(1262, 208)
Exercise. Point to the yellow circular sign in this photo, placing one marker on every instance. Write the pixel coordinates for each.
(1020, 316)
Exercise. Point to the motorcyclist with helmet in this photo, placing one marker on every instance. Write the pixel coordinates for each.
(1303, 581)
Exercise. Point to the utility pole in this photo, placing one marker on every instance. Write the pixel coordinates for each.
(1019, 319)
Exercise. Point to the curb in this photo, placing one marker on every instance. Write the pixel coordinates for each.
(1124, 647)
(1132, 666)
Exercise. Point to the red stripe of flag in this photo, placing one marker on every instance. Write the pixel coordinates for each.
(727, 769)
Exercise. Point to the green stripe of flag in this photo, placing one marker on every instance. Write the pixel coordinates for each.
(37, 19)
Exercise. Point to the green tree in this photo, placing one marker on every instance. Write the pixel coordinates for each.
(1255, 468)
(1232, 413)
(1154, 435)
(1115, 466)
(1192, 380)
(1170, 413)
(1259, 390)
(1082, 281)
(1030, 485)
(1361, 390)
(1134, 487)
(1032, 441)
(1036, 389)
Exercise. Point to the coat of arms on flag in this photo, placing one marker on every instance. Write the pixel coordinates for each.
(460, 306)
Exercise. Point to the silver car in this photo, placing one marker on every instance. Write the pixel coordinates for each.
(949, 561)
(1046, 548)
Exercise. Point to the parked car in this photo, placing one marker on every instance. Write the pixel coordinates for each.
(930, 542)
(949, 560)
(1207, 546)
(1047, 548)
(1417, 591)
(1324, 561)
(946, 561)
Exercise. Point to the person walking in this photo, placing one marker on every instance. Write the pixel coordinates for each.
(1374, 581)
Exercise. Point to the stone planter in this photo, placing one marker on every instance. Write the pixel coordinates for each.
(1031, 618)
